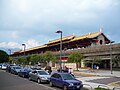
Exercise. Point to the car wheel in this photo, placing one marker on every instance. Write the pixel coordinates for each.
(23, 76)
(81, 88)
(51, 84)
(30, 78)
(38, 80)
(65, 87)
(18, 74)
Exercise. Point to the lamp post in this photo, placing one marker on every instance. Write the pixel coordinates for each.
(60, 49)
(9, 51)
(24, 48)
(111, 56)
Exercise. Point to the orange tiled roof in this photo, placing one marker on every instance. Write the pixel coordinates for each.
(38, 47)
(69, 38)
(63, 38)
(90, 35)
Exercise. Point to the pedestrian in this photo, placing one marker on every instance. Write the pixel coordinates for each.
(70, 70)
(48, 68)
(97, 68)
(66, 69)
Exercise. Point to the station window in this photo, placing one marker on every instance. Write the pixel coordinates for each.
(101, 42)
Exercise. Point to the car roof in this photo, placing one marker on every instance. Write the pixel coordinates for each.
(39, 70)
(15, 66)
(61, 73)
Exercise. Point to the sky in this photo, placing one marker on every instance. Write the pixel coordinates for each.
(34, 22)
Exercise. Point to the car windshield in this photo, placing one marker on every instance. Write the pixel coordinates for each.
(67, 76)
(43, 73)
(27, 69)
(17, 67)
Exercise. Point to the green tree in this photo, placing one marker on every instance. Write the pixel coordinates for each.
(75, 57)
(21, 60)
(28, 60)
(41, 58)
(34, 58)
(4, 57)
(12, 60)
(48, 56)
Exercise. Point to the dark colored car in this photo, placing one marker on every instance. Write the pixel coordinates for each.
(66, 81)
(9, 66)
(24, 72)
(15, 69)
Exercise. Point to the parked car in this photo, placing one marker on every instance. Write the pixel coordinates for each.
(66, 81)
(9, 66)
(15, 69)
(39, 76)
(24, 72)
(3, 66)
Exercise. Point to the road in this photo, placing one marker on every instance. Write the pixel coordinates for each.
(13, 82)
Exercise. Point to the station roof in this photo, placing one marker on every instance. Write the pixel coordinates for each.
(63, 39)
(67, 39)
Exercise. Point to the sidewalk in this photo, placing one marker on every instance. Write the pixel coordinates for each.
(85, 75)
(105, 73)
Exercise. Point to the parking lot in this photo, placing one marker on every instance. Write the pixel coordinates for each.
(14, 82)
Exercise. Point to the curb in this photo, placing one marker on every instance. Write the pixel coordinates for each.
(85, 74)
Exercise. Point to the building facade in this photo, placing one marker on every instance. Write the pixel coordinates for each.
(92, 46)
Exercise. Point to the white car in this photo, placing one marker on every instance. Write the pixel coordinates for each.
(3, 66)
(39, 76)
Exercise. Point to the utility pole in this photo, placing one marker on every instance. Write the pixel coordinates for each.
(60, 49)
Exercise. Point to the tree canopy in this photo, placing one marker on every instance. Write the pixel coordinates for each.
(4, 57)
(75, 57)
(48, 56)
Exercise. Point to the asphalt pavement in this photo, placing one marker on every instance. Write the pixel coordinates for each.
(14, 82)
(90, 79)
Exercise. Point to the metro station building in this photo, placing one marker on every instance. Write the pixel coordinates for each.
(91, 45)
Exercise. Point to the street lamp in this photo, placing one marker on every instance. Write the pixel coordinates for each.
(9, 51)
(24, 48)
(111, 56)
(60, 49)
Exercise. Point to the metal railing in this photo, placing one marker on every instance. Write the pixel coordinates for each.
(88, 87)
(116, 88)
(103, 86)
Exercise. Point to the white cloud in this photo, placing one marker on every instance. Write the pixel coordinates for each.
(31, 43)
(24, 19)
(9, 45)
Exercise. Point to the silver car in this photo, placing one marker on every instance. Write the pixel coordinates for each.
(39, 76)
(15, 69)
